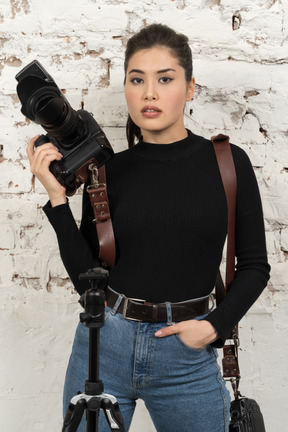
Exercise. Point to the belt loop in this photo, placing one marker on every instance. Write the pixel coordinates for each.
(117, 304)
(169, 313)
(212, 301)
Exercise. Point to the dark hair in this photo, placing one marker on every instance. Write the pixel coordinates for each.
(151, 36)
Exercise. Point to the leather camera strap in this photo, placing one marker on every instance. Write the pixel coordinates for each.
(102, 218)
(229, 179)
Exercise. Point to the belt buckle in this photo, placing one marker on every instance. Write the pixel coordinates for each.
(125, 306)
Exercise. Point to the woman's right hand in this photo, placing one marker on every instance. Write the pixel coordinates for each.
(40, 159)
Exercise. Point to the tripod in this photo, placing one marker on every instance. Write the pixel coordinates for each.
(93, 302)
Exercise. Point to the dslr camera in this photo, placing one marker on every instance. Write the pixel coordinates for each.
(76, 134)
(246, 416)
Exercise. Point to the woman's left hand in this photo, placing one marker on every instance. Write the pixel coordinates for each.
(196, 334)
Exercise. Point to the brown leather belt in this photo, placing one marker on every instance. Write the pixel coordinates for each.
(140, 310)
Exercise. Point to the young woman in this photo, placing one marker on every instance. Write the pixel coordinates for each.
(169, 216)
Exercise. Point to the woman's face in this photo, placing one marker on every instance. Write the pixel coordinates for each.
(156, 92)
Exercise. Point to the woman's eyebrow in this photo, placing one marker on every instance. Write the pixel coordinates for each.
(166, 70)
(139, 71)
(136, 71)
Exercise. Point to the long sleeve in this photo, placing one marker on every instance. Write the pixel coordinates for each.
(252, 268)
(76, 253)
(169, 215)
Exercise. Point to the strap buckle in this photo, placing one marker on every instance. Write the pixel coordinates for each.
(94, 174)
(125, 307)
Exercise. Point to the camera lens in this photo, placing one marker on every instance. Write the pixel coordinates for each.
(44, 104)
(60, 120)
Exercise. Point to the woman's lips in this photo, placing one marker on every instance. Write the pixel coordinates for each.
(150, 111)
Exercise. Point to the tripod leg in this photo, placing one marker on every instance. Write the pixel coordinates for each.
(113, 415)
(92, 421)
(73, 416)
(92, 414)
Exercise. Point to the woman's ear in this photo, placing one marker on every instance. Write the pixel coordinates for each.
(191, 89)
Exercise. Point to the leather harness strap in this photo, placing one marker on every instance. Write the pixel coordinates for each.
(102, 218)
(99, 201)
(229, 179)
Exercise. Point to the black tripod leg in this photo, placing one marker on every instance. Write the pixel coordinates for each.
(73, 416)
(92, 414)
(113, 415)
(92, 421)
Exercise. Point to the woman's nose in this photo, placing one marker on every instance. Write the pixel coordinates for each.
(150, 92)
(150, 97)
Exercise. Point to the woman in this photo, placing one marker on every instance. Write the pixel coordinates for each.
(169, 215)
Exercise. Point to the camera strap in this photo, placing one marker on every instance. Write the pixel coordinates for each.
(99, 201)
(102, 218)
(228, 175)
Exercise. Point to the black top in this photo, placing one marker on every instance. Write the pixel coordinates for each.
(169, 214)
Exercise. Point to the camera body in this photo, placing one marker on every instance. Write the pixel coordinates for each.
(94, 145)
(246, 416)
(76, 134)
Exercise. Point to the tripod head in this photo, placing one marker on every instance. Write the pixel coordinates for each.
(93, 299)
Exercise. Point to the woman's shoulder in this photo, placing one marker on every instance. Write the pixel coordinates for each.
(120, 157)
(122, 161)
(240, 156)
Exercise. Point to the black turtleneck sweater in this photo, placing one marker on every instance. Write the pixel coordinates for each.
(169, 215)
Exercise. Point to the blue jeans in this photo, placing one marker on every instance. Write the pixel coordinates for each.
(182, 387)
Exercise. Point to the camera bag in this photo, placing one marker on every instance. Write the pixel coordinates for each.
(246, 415)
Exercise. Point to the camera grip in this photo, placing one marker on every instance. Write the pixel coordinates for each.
(43, 139)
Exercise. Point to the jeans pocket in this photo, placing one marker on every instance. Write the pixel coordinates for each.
(188, 347)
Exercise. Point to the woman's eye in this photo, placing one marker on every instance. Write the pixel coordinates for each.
(136, 80)
(165, 80)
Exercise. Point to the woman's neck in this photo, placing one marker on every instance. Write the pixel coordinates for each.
(164, 136)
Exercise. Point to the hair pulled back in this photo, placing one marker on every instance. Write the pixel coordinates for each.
(149, 37)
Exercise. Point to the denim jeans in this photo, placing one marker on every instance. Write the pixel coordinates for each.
(182, 387)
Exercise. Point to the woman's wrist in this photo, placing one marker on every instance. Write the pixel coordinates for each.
(209, 330)
(56, 200)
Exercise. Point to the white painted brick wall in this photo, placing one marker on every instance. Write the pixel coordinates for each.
(242, 88)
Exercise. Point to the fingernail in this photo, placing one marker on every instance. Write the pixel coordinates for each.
(158, 333)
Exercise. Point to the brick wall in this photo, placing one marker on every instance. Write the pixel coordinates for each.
(240, 64)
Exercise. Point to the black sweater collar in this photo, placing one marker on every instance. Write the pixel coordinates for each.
(177, 150)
